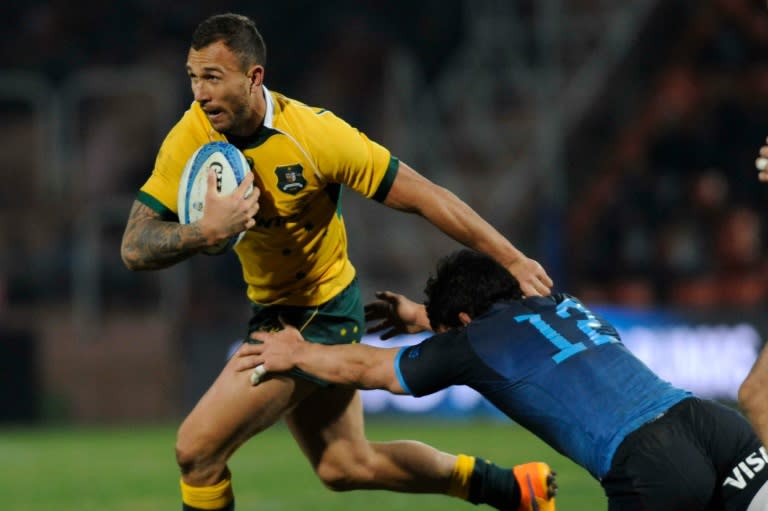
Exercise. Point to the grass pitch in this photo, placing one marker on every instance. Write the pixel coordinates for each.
(133, 469)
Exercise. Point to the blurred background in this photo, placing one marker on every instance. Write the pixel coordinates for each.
(614, 142)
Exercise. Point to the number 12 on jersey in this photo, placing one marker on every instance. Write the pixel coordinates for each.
(590, 326)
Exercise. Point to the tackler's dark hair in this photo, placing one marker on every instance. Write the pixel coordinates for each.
(467, 281)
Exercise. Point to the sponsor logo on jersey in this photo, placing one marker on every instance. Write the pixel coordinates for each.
(290, 179)
(746, 470)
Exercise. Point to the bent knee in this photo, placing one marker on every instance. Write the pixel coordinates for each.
(200, 463)
(186, 456)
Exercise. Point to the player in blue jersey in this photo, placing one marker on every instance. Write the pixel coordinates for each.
(560, 370)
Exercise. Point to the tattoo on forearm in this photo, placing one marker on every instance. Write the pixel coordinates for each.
(150, 243)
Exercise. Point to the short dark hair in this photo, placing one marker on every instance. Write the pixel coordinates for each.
(237, 32)
(467, 281)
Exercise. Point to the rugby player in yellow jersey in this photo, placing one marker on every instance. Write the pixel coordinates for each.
(295, 264)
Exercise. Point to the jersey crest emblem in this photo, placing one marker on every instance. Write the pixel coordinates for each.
(290, 179)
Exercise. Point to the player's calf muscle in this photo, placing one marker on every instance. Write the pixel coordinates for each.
(341, 475)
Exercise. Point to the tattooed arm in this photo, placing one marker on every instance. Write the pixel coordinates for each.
(150, 243)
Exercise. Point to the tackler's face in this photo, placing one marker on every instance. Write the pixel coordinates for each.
(223, 89)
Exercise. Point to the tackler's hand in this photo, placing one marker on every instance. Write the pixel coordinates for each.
(270, 352)
(396, 315)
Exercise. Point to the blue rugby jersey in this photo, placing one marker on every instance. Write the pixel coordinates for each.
(551, 365)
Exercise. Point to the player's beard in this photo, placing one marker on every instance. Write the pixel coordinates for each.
(240, 114)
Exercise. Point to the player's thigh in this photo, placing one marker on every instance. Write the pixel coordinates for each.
(738, 454)
(232, 410)
(682, 479)
(662, 465)
(329, 426)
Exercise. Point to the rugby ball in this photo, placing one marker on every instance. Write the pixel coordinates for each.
(230, 166)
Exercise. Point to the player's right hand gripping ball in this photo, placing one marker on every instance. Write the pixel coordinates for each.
(230, 166)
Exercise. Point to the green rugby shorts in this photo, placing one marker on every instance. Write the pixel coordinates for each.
(340, 320)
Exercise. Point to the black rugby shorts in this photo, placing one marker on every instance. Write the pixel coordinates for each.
(699, 455)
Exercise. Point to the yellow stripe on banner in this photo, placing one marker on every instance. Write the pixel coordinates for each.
(218, 496)
(461, 476)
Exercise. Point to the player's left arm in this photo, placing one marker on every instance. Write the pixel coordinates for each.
(357, 365)
(753, 391)
(413, 193)
(344, 155)
(753, 396)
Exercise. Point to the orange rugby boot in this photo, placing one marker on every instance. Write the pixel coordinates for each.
(537, 486)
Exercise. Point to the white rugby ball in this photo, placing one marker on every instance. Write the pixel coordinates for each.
(230, 166)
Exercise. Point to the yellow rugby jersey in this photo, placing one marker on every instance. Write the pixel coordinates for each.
(296, 254)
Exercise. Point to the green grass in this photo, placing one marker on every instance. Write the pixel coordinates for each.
(133, 469)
